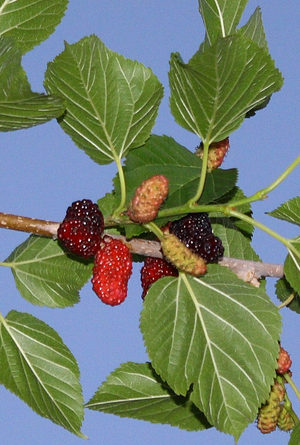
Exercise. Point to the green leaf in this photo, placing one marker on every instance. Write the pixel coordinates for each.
(134, 390)
(163, 155)
(108, 203)
(295, 435)
(254, 29)
(112, 102)
(38, 367)
(221, 17)
(236, 245)
(236, 194)
(288, 211)
(19, 106)
(283, 291)
(218, 334)
(45, 275)
(211, 95)
(30, 22)
(291, 266)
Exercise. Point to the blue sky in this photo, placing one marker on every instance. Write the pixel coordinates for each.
(42, 172)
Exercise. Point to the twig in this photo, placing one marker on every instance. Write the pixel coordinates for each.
(249, 271)
(30, 225)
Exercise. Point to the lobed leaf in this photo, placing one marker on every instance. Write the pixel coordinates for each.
(30, 22)
(112, 102)
(288, 211)
(36, 365)
(134, 390)
(218, 334)
(211, 95)
(19, 106)
(45, 275)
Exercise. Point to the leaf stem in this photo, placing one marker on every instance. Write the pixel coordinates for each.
(154, 229)
(248, 219)
(288, 378)
(263, 193)
(121, 206)
(287, 301)
(202, 180)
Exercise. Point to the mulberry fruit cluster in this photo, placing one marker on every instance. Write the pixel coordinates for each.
(195, 232)
(111, 272)
(81, 233)
(269, 412)
(274, 414)
(82, 228)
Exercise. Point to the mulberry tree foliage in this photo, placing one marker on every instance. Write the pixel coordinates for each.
(212, 337)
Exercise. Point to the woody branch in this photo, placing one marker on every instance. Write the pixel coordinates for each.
(250, 271)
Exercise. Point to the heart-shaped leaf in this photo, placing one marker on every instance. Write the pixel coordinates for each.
(218, 334)
(212, 94)
(112, 102)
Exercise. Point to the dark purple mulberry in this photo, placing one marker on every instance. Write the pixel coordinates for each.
(195, 231)
(82, 228)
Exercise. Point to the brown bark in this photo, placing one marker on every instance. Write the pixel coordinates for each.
(249, 271)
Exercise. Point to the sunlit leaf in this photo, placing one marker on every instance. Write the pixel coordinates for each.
(218, 334)
(211, 95)
(36, 365)
(135, 390)
(45, 275)
(30, 22)
(112, 102)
